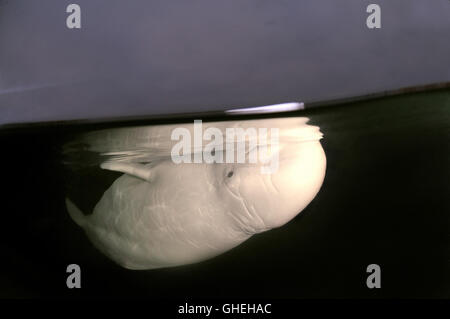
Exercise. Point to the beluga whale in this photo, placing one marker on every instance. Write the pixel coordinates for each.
(183, 198)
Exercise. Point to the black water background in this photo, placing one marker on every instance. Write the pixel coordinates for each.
(385, 200)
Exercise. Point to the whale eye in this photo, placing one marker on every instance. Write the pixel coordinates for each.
(230, 174)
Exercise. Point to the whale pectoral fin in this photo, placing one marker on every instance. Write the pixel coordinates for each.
(134, 169)
(75, 213)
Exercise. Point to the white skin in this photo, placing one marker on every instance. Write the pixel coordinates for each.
(166, 214)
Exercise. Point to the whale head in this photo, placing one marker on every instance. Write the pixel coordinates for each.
(276, 195)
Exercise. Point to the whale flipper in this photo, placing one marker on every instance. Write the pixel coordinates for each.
(75, 213)
(141, 171)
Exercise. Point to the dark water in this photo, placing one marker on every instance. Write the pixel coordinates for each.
(385, 200)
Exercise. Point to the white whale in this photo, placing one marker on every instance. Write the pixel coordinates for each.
(161, 214)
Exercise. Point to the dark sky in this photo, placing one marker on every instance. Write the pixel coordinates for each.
(156, 57)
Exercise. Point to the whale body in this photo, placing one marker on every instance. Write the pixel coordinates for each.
(162, 214)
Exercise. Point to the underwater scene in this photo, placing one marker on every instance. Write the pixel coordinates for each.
(307, 200)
